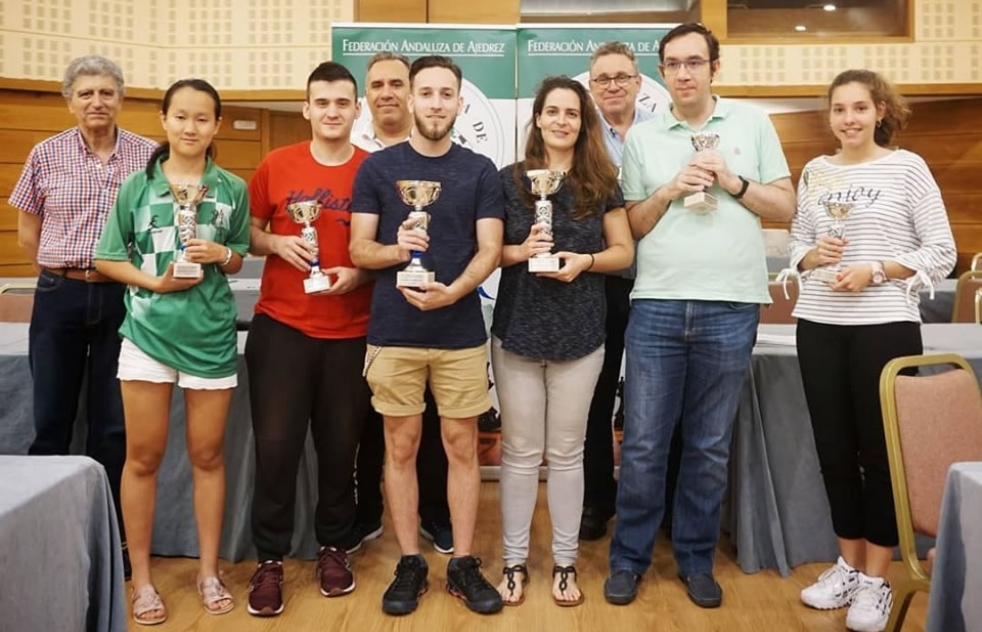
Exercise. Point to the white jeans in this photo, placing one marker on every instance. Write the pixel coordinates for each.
(544, 408)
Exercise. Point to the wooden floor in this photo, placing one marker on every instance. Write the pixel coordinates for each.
(761, 602)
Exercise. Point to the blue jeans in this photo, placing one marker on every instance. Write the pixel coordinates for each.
(686, 364)
(74, 331)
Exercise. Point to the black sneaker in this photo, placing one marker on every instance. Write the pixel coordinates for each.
(439, 533)
(593, 522)
(465, 580)
(403, 593)
(361, 533)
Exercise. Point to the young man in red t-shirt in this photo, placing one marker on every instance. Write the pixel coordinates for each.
(305, 352)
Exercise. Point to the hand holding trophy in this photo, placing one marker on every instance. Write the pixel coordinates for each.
(544, 182)
(702, 202)
(839, 211)
(188, 197)
(305, 213)
(419, 194)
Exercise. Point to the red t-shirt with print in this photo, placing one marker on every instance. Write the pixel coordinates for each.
(290, 174)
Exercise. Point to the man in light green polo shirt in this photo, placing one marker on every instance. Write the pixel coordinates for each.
(702, 275)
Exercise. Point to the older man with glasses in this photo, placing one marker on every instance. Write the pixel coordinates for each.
(614, 86)
(702, 275)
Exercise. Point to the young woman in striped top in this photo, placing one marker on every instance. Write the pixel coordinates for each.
(858, 309)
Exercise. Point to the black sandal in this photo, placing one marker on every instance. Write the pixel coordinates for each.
(509, 572)
(564, 572)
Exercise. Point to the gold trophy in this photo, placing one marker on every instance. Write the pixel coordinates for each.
(417, 194)
(702, 202)
(839, 211)
(188, 197)
(544, 182)
(304, 213)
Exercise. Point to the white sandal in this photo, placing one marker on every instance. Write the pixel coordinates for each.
(213, 591)
(145, 601)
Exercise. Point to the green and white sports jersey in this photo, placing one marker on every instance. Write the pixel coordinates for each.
(192, 331)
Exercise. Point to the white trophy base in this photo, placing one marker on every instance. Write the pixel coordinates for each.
(825, 274)
(315, 284)
(544, 264)
(701, 202)
(186, 270)
(414, 278)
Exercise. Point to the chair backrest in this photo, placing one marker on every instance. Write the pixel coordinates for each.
(930, 421)
(16, 302)
(779, 311)
(968, 284)
(976, 261)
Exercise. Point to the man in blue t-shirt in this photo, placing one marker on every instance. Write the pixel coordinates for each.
(434, 332)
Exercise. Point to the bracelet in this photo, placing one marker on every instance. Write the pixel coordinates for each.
(743, 189)
(228, 257)
(592, 261)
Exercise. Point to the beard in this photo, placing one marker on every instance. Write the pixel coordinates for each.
(434, 131)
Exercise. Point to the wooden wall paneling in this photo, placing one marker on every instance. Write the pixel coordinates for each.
(390, 10)
(287, 128)
(486, 12)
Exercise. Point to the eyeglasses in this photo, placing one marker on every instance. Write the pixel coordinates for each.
(621, 80)
(691, 65)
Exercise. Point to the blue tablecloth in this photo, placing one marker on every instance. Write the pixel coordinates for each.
(59, 547)
(955, 602)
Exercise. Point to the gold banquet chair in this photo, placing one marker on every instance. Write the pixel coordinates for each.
(965, 294)
(976, 261)
(16, 302)
(930, 422)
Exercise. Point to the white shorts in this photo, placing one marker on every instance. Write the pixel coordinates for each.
(135, 365)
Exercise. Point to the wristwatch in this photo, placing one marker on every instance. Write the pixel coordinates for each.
(879, 274)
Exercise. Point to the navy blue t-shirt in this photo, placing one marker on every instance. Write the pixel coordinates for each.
(471, 190)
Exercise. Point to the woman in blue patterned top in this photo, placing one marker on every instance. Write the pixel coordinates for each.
(548, 332)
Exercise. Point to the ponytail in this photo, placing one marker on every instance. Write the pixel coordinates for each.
(162, 148)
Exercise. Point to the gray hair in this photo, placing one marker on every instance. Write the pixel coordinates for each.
(614, 48)
(387, 56)
(91, 65)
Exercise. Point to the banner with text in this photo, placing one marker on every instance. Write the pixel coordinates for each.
(485, 54)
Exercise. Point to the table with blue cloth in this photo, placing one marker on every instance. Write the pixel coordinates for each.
(776, 509)
(955, 601)
(59, 547)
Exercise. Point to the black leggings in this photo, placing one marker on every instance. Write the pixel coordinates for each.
(840, 370)
(296, 381)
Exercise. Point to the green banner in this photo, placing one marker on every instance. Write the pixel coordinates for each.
(485, 54)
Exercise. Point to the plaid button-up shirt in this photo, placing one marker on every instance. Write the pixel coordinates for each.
(73, 191)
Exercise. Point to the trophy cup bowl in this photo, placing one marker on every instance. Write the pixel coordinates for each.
(702, 202)
(544, 182)
(838, 211)
(305, 213)
(188, 197)
(418, 194)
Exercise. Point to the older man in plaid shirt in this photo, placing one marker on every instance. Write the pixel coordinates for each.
(64, 194)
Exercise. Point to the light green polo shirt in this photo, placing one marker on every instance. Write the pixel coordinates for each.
(192, 331)
(717, 256)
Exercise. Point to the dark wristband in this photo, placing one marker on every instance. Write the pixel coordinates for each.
(743, 189)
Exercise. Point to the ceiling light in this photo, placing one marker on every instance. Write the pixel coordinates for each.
(829, 7)
(801, 28)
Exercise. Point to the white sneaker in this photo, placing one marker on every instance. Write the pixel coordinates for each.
(834, 588)
(871, 605)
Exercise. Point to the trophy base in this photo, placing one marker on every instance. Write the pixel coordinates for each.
(414, 278)
(315, 284)
(544, 264)
(701, 202)
(186, 270)
(825, 274)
